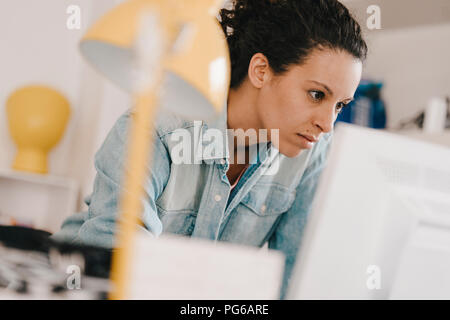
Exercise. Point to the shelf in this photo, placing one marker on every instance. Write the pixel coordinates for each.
(35, 200)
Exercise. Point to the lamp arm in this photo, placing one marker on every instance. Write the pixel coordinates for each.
(151, 49)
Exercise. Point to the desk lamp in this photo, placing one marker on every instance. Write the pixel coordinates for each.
(167, 53)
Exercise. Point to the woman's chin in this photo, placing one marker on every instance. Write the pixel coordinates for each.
(290, 151)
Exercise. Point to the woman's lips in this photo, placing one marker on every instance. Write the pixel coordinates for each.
(306, 141)
(310, 138)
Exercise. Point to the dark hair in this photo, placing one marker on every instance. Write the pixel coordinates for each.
(286, 31)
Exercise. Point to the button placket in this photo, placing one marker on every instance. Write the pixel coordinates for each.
(208, 222)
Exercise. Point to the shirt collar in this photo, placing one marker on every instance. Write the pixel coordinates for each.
(211, 148)
(220, 124)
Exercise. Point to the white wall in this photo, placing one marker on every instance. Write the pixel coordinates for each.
(413, 63)
(37, 47)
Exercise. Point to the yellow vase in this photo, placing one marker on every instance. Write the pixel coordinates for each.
(37, 118)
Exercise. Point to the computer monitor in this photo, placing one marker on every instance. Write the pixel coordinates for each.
(379, 227)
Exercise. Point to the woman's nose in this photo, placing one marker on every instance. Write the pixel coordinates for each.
(324, 119)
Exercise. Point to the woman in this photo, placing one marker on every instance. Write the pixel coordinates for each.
(294, 66)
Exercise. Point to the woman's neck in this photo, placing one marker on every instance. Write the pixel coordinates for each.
(241, 111)
(242, 114)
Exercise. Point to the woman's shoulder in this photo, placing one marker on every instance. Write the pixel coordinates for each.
(167, 122)
(164, 123)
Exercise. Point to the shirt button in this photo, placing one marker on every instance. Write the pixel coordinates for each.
(263, 208)
(217, 197)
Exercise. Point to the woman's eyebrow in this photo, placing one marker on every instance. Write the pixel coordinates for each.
(329, 90)
(323, 85)
(349, 99)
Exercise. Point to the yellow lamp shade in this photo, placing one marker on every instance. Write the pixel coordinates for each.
(197, 69)
(37, 118)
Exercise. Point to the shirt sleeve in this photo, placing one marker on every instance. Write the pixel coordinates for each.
(289, 232)
(99, 225)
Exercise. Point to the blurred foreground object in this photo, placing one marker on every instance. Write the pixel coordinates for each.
(37, 118)
(32, 266)
(380, 223)
(170, 54)
(176, 267)
(367, 109)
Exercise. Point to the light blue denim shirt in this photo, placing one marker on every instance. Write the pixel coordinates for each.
(195, 199)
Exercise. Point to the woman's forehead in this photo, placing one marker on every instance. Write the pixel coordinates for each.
(337, 70)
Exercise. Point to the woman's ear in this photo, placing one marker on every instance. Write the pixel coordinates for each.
(259, 71)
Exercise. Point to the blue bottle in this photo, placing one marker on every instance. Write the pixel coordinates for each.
(367, 109)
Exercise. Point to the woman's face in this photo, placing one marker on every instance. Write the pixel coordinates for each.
(303, 102)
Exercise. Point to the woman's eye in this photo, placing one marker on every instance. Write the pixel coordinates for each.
(316, 95)
(340, 106)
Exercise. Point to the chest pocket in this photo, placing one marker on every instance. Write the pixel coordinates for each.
(180, 222)
(268, 199)
(254, 217)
